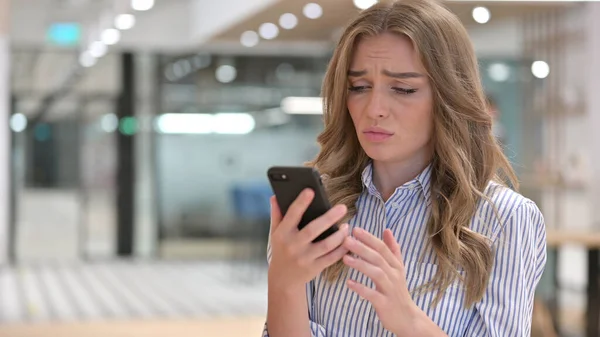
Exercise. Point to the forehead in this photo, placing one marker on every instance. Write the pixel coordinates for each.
(394, 50)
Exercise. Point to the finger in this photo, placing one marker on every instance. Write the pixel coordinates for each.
(297, 208)
(332, 242)
(377, 245)
(392, 244)
(377, 274)
(331, 258)
(275, 214)
(322, 223)
(365, 252)
(375, 297)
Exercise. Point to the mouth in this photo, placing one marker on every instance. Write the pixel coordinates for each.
(375, 134)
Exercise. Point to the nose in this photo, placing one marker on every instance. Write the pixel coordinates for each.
(377, 107)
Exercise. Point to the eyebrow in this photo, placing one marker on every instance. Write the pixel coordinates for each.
(358, 73)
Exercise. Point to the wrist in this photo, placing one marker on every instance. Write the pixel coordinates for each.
(422, 325)
(284, 288)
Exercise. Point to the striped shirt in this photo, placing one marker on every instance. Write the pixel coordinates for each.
(519, 241)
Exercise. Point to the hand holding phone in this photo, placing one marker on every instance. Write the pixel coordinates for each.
(287, 184)
(297, 253)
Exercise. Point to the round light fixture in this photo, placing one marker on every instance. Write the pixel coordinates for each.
(540, 69)
(481, 15)
(288, 21)
(268, 31)
(226, 74)
(249, 38)
(87, 60)
(312, 11)
(364, 4)
(109, 123)
(499, 72)
(111, 36)
(142, 5)
(125, 21)
(18, 122)
(98, 49)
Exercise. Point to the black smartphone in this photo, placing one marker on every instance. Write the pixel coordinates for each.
(288, 181)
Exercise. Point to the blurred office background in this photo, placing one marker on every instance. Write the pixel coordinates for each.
(137, 133)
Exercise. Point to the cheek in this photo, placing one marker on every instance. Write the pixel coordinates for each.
(419, 122)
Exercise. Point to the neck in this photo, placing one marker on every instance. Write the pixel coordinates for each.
(387, 176)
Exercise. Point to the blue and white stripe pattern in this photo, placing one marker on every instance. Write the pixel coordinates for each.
(519, 240)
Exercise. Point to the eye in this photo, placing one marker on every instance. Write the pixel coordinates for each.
(359, 88)
(403, 91)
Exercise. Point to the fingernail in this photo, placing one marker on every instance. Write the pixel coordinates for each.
(345, 228)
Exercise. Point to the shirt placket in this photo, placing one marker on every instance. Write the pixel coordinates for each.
(373, 321)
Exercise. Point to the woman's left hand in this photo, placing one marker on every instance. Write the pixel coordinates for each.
(381, 261)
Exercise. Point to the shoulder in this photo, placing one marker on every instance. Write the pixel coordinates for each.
(503, 207)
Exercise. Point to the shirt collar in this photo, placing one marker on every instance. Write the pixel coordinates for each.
(422, 181)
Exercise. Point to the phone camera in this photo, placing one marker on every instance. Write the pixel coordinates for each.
(279, 177)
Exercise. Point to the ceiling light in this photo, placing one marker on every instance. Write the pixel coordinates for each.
(364, 4)
(499, 72)
(142, 5)
(540, 69)
(249, 38)
(312, 11)
(18, 122)
(98, 49)
(125, 21)
(192, 123)
(268, 31)
(226, 74)
(302, 105)
(184, 123)
(288, 21)
(111, 36)
(87, 60)
(109, 123)
(481, 15)
(233, 123)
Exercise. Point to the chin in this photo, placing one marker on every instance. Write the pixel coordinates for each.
(379, 154)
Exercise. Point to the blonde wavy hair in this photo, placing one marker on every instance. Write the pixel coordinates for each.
(466, 154)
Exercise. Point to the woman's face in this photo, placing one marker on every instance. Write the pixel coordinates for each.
(390, 100)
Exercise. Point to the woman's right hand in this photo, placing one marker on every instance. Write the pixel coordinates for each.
(295, 259)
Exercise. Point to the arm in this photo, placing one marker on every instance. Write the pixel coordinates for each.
(289, 311)
(520, 258)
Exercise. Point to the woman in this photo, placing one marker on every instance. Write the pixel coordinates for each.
(433, 244)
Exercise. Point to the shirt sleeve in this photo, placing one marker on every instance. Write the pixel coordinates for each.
(316, 330)
(520, 259)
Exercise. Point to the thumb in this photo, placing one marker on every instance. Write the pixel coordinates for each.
(275, 214)
(390, 242)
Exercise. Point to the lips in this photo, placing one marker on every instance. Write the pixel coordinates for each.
(377, 134)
